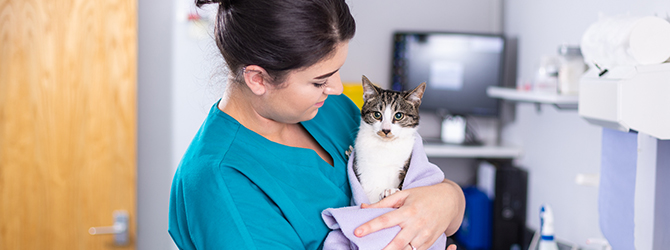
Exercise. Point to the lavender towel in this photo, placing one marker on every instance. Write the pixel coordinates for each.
(343, 221)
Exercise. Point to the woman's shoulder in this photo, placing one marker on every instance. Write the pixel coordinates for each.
(210, 144)
(338, 110)
(223, 143)
(341, 105)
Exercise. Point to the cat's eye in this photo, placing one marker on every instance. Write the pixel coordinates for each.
(377, 115)
(398, 116)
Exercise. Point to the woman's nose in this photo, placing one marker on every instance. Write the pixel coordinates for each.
(334, 86)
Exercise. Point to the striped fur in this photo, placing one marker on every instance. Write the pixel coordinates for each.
(389, 120)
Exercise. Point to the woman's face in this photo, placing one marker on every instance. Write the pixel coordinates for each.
(304, 91)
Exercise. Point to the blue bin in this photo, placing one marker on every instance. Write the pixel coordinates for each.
(475, 231)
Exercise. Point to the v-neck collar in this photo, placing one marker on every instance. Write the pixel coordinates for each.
(298, 153)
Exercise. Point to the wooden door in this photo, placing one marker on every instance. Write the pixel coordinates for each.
(67, 121)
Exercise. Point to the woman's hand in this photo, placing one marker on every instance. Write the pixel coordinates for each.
(423, 214)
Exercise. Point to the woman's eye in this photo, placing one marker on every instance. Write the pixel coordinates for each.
(377, 115)
(320, 84)
(399, 116)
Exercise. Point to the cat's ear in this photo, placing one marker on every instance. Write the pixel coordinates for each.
(415, 95)
(369, 89)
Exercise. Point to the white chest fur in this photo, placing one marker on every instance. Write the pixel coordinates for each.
(379, 162)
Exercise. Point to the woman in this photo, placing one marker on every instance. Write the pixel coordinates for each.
(271, 154)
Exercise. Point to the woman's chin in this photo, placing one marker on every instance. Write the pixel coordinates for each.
(309, 115)
(312, 114)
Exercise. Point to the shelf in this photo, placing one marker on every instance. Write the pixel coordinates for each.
(457, 151)
(628, 98)
(560, 101)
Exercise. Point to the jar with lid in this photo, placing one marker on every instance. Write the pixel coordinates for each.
(571, 68)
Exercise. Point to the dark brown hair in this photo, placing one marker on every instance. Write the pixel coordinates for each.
(279, 35)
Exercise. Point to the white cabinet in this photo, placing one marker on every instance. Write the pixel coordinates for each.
(626, 98)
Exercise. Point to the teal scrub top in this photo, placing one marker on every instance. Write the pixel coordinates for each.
(234, 189)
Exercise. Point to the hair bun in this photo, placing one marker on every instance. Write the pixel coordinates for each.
(226, 3)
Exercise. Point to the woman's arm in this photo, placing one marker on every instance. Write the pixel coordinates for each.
(423, 213)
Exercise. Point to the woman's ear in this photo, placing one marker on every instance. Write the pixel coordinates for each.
(254, 78)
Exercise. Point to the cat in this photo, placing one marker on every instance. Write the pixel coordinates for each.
(383, 146)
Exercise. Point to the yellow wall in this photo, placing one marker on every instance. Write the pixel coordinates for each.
(354, 91)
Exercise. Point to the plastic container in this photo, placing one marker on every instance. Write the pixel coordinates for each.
(475, 231)
(571, 68)
(547, 241)
(546, 77)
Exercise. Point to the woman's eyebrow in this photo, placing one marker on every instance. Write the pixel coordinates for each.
(326, 75)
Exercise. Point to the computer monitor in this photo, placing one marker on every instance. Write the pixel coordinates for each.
(457, 69)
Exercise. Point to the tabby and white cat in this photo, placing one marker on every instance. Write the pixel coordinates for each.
(383, 147)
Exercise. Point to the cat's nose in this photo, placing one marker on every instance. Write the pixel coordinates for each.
(386, 131)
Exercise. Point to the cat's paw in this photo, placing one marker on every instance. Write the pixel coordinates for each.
(388, 192)
(349, 151)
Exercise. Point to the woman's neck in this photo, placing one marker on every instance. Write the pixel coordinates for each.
(237, 102)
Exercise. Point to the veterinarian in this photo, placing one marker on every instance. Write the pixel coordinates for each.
(271, 154)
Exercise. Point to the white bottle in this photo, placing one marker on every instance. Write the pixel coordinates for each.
(547, 241)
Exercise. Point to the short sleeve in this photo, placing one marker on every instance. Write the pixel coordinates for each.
(227, 211)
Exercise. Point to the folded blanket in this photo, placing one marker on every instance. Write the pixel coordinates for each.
(343, 221)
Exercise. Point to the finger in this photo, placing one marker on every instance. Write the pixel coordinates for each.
(393, 201)
(383, 221)
(402, 240)
(451, 247)
(423, 239)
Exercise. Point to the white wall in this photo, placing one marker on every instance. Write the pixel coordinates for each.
(198, 78)
(558, 144)
(154, 90)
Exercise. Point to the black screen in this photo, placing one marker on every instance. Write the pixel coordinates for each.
(457, 69)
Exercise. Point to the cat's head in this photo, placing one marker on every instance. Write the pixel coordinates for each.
(391, 113)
